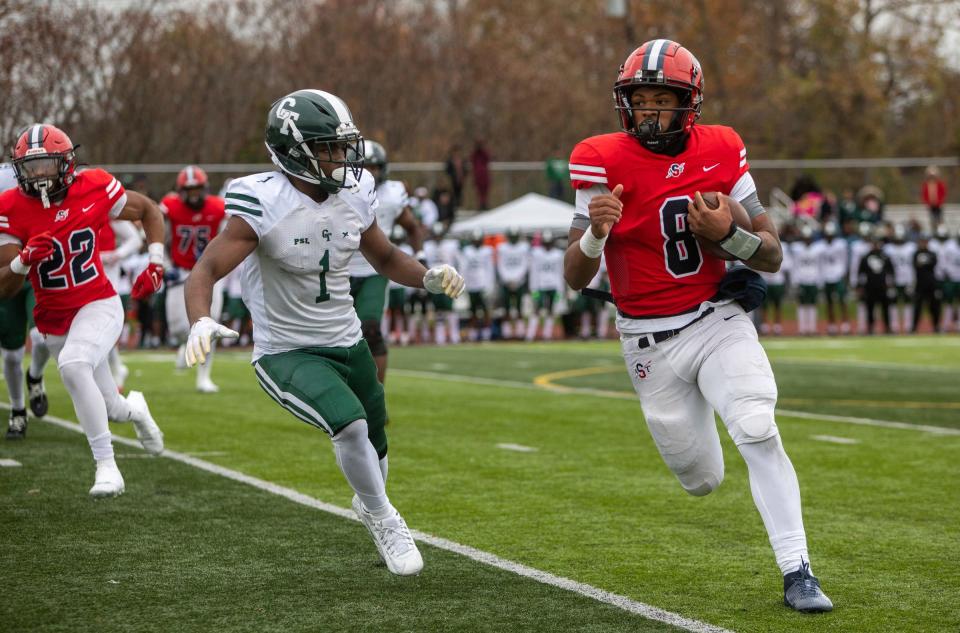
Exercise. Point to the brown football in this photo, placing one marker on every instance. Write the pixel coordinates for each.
(740, 216)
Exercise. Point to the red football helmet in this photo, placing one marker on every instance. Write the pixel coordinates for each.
(192, 185)
(44, 160)
(660, 63)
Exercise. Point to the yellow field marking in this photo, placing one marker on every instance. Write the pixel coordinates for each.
(546, 380)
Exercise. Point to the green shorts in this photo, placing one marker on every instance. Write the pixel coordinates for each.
(369, 296)
(441, 302)
(836, 291)
(775, 294)
(951, 290)
(807, 295)
(478, 303)
(236, 308)
(544, 300)
(514, 299)
(397, 299)
(328, 387)
(16, 317)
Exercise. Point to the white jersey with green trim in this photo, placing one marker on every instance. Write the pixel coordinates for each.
(296, 283)
(392, 195)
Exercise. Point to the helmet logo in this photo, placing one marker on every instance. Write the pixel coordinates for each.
(289, 118)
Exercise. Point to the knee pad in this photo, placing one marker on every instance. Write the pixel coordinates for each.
(72, 373)
(752, 422)
(374, 337)
(702, 478)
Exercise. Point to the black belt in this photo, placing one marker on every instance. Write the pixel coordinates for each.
(663, 335)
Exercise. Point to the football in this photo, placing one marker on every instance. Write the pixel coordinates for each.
(740, 216)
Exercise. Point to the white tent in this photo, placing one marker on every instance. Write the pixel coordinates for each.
(529, 214)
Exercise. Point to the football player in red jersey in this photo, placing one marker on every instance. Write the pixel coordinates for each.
(689, 346)
(195, 218)
(50, 231)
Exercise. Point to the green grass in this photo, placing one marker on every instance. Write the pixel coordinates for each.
(193, 551)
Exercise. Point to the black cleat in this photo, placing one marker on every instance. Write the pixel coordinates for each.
(37, 395)
(17, 430)
(801, 591)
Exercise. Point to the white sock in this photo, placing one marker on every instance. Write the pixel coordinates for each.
(13, 374)
(548, 328)
(102, 447)
(603, 324)
(358, 462)
(440, 333)
(384, 468)
(204, 368)
(39, 353)
(88, 402)
(453, 324)
(894, 318)
(532, 327)
(907, 318)
(861, 318)
(812, 319)
(585, 325)
(506, 329)
(118, 409)
(776, 493)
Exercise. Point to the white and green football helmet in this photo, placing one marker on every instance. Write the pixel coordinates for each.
(375, 156)
(304, 128)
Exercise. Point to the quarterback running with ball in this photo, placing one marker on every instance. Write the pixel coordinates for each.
(295, 230)
(689, 346)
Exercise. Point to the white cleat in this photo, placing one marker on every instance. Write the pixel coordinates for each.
(207, 386)
(393, 540)
(149, 434)
(108, 482)
(121, 378)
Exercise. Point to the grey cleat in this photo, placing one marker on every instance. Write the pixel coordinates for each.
(801, 591)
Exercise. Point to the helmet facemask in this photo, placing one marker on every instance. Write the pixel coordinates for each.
(45, 175)
(345, 154)
(649, 131)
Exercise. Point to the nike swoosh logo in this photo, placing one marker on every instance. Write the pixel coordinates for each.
(711, 167)
(87, 208)
(729, 317)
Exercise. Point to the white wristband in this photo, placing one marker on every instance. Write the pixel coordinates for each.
(155, 253)
(742, 244)
(17, 266)
(590, 245)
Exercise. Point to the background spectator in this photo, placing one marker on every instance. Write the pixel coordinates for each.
(933, 192)
(871, 204)
(558, 176)
(480, 162)
(456, 168)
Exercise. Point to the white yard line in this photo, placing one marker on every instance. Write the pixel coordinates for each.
(621, 602)
(9, 463)
(519, 448)
(833, 439)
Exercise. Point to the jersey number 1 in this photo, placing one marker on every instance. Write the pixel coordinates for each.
(324, 268)
(680, 249)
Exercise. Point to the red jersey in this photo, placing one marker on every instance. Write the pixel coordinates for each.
(73, 276)
(108, 239)
(655, 264)
(191, 229)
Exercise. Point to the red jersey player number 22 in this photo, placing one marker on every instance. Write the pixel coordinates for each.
(72, 275)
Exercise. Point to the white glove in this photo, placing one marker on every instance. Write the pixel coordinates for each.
(202, 332)
(443, 279)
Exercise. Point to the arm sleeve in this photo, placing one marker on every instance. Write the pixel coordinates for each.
(243, 201)
(128, 239)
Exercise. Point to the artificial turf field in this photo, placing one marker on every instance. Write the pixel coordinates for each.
(534, 453)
